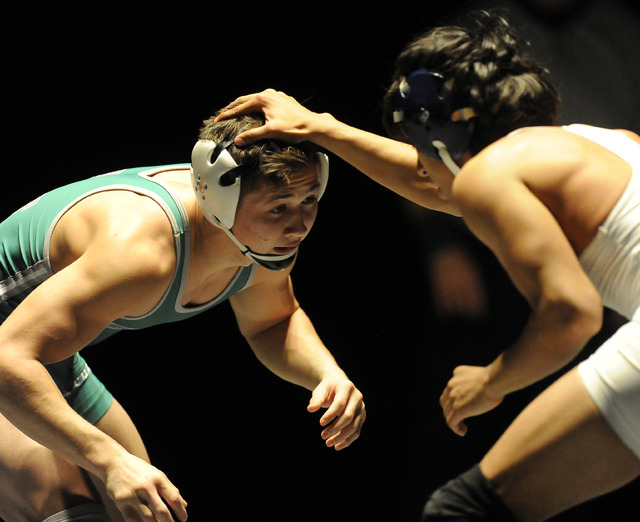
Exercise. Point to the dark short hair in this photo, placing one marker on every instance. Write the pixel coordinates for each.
(486, 66)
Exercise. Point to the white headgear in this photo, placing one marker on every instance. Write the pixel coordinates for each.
(216, 179)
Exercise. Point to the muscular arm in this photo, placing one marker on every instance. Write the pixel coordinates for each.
(391, 163)
(566, 310)
(112, 277)
(285, 341)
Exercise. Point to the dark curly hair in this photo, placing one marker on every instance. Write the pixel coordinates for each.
(485, 66)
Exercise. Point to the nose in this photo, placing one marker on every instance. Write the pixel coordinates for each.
(299, 224)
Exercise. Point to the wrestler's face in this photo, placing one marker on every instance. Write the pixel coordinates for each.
(274, 220)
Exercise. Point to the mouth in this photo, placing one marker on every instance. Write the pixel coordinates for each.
(286, 250)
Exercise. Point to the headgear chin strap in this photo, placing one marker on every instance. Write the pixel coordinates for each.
(216, 179)
(424, 112)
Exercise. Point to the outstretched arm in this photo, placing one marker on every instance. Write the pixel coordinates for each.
(285, 341)
(391, 163)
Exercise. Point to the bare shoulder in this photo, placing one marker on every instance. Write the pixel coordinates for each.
(120, 226)
(529, 154)
(531, 147)
(576, 179)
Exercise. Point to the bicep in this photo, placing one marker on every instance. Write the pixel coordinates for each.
(267, 302)
(68, 310)
(527, 240)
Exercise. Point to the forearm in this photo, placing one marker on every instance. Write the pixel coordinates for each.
(293, 351)
(32, 402)
(545, 346)
(391, 163)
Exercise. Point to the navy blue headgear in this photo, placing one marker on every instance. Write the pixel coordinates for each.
(427, 118)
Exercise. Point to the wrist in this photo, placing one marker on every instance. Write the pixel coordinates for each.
(333, 373)
(103, 454)
(495, 384)
(324, 129)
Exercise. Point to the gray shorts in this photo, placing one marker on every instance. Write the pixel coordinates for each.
(612, 378)
(83, 513)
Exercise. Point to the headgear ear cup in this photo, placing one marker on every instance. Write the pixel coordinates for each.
(425, 113)
(217, 197)
(323, 173)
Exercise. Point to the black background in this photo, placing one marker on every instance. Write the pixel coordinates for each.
(101, 86)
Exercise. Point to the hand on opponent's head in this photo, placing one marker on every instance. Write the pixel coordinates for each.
(286, 119)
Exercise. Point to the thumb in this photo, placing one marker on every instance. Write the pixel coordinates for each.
(318, 399)
(460, 429)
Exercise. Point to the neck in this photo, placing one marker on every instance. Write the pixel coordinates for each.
(212, 247)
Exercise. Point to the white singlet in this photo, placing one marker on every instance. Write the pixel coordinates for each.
(612, 262)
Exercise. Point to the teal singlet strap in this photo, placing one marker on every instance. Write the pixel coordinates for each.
(170, 308)
(25, 237)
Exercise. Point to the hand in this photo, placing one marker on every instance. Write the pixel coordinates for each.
(466, 395)
(286, 119)
(141, 490)
(345, 411)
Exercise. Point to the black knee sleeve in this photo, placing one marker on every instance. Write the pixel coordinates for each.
(468, 497)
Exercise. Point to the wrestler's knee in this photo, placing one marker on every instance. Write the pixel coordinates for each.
(468, 497)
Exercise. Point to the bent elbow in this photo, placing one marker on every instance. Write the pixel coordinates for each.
(584, 318)
(592, 313)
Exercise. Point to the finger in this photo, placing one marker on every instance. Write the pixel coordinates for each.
(446, 403)
(460, 429)
(348, 423)
(240, 105)
(455, 421)
(449, 411)
(175, 501)
(313, 407)
(350, 413)
(450, 414)
(333, 430)
(348, 434)
(339, 441)
(147, 514)
(334, 411)
(144, 508)
(254, 134)
(446, 394)
(245, 104)
(158, 503)
(157, 511)
(340, 445)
